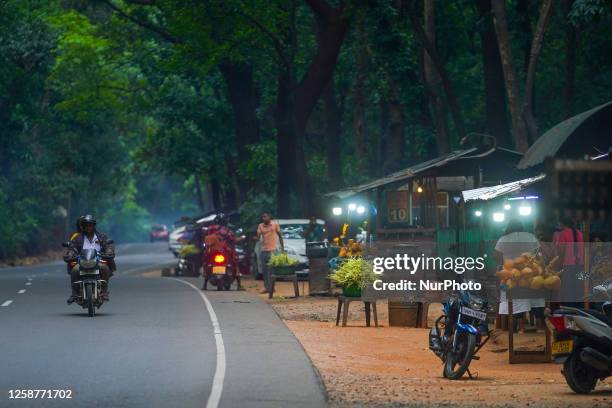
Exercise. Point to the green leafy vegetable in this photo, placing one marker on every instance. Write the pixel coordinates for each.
(281, 260)
(354, 271)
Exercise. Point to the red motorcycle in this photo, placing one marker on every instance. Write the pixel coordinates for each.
(221, 269)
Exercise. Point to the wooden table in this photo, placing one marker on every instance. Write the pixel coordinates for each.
(345, 301)
(527, 356)
(293, 278)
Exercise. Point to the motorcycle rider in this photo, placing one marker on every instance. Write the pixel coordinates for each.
(221, 237)
(88, 237)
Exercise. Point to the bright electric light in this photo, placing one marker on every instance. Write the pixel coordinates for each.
(419, 189)
(337, 211)
(478, 213)
(352, 206)
(219, 258)
(499, 217)
(507, 207)
(525, 210)
(360, 209)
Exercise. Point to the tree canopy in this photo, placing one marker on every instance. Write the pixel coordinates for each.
(143, 110)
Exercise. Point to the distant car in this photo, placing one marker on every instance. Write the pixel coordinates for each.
(295, 245)
(159, 232)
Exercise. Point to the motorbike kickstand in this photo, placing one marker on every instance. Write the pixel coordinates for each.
(472, 377)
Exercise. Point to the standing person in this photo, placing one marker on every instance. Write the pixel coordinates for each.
(313, 232)
(569, 244)
(270, 234)
(514, 242)
(545, 234)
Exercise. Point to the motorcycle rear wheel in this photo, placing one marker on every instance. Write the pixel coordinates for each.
(578, 375)
(91, 310)
(457, 363)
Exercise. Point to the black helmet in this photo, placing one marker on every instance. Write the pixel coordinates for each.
(88, 219)
(221, 219)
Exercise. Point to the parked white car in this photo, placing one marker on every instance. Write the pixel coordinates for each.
(173, 243)
(295, 244)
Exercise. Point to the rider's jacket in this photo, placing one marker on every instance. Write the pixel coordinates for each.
(219, 237)
(77, 241)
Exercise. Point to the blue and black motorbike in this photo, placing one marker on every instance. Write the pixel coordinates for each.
(460, 333)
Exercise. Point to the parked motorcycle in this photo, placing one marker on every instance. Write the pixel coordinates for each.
(583, 342)
(90, 285)
(460, 333)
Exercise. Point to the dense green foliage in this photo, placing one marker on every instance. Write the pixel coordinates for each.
(140, 111)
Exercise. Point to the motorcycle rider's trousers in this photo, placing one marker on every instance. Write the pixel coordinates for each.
(105, 274)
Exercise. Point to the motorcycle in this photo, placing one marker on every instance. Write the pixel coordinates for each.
(583, 342)
(460, 333)
(221, 269)
(90, 285)
(188, 264)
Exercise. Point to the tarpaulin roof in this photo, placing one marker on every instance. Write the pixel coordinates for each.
(593, 137)
(488, 193)
(473, 152)
(401, 174)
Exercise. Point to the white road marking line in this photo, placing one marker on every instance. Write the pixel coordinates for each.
(29, 279)
(217, 385)
(21, 291)
(8, 302)
(28, 283)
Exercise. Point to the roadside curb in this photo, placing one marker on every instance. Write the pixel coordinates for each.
(318, 375)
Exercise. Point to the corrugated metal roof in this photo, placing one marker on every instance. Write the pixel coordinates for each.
(550, 142)
(488, 193)
(403, 174)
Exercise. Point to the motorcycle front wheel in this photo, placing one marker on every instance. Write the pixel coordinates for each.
(91, 310)
(458, 359)
(578, 375)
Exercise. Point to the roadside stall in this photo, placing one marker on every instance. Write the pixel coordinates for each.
(526, 276)
(404, 210)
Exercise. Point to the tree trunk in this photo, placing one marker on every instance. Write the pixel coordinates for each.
(511, 81)
(332, 26)
(215, 189)
(570, 62)
(285, 145)
(333, 130)
(359, 94)
(536, 48)
(524, 27)
(230, 190)
(451, 97)
(244, 99)
(199, 195)
(395, 142)
(381, 141)
(495, 97)
(433, 81)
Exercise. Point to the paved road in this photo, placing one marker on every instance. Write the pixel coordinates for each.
(153, 345)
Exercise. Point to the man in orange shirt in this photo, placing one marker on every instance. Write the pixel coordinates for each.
(270, 235)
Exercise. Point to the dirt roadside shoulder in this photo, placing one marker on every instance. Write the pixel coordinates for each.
(392, 366)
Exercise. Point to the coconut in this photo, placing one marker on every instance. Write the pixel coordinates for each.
(537, 282)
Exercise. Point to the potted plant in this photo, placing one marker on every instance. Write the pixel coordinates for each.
(282, 264)
(353, 275)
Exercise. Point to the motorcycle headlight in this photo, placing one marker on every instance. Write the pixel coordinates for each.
(88, 264)
(476, 303)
